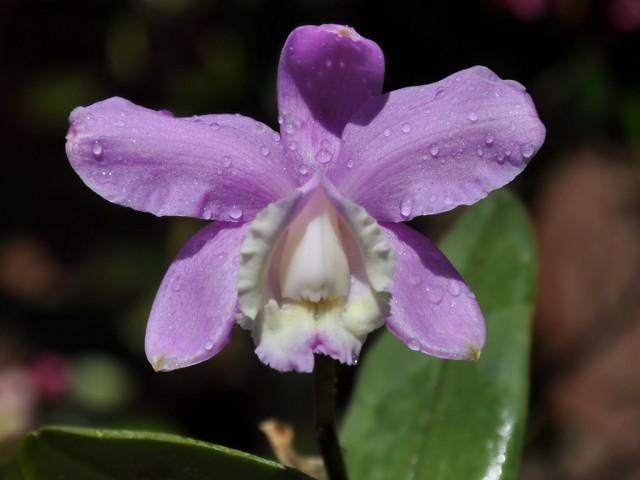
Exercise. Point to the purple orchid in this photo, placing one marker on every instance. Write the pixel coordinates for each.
(307, 251)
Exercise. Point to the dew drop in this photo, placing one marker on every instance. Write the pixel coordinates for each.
(293, 146)
(448, 201)
(226, 162)
(354, 359)
(526, 150)
(439, 92)
(264, 151)
(303, 170)
(454, 288)
(406, 206)
(289, 127)
(406, 128)
(473, 116)
(208, 345)
(434, 150)
(350, 163)
(280, 120)
(471, 295)
(276, 137)
(176, 285)
(259, 126)
(235, 213)
(414, 344)
(387, 132)
(121, 123)
(489, 139)
(480, 152)
(96, 149)
(323, 156)
(215, 126)
(435, 294)
(166, 113)
(206, 213)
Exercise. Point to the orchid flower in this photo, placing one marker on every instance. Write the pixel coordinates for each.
(307, 250)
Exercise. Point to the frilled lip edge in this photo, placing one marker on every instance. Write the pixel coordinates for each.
(339, 331)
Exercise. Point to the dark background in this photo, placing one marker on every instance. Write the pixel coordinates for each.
(78, 274)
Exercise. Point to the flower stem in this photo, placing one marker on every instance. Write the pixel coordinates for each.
(324, 376)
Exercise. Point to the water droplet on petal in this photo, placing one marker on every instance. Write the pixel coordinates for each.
(235, 213)
(406, 128)
(355, 359)
(208, 345)
(289, 127)
(439, 91)
(280, 120)
(323, 156)
(480, 152)
(414, 344)
(226, 162)
(473, 116)
(454, 288)
(448, 201)
(387, 132)
(176, 285)
(293, 146)
(276, 137)
(435, 294)
(259, 126)
(206, 213)
(303, 170)
(526, 150)
(96, 149)
(264, 151)
(406, 206)
(471, 295)
(489, 139)
(215, 126)
(166, 113)
(121, 123)
(434, 150)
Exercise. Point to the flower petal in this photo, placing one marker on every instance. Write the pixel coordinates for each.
(224, 167)
(325, 74)
(432, 308)
(431, 148)
(195, 307)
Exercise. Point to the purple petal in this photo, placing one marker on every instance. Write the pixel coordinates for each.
(432, 309)
(224, 167)
(432, 148)
(195, 307)
(325, 75)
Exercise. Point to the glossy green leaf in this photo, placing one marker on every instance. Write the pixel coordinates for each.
(82, 454)
(417, 417)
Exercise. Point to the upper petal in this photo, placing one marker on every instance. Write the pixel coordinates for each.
(224, 167)
(431, 148)
(195, 307)
(325, 74)
(432, 308)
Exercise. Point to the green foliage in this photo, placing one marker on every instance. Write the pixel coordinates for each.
(82, 454)
(417, 417)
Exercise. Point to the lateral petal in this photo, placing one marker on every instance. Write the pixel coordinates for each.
(325, 74)
(432, 308)
(428, 149)
(222, 167)
(195, 307)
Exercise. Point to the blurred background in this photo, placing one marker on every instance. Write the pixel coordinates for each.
(78, 274)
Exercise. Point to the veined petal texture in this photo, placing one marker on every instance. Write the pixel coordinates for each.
(429, 149)
(432, 308)
(325, 74)
(221, 167)
(195, 307)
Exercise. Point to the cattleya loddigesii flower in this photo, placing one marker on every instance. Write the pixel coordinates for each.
(307, 250)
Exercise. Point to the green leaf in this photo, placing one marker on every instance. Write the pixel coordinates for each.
(416, 417)
(56, 453)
